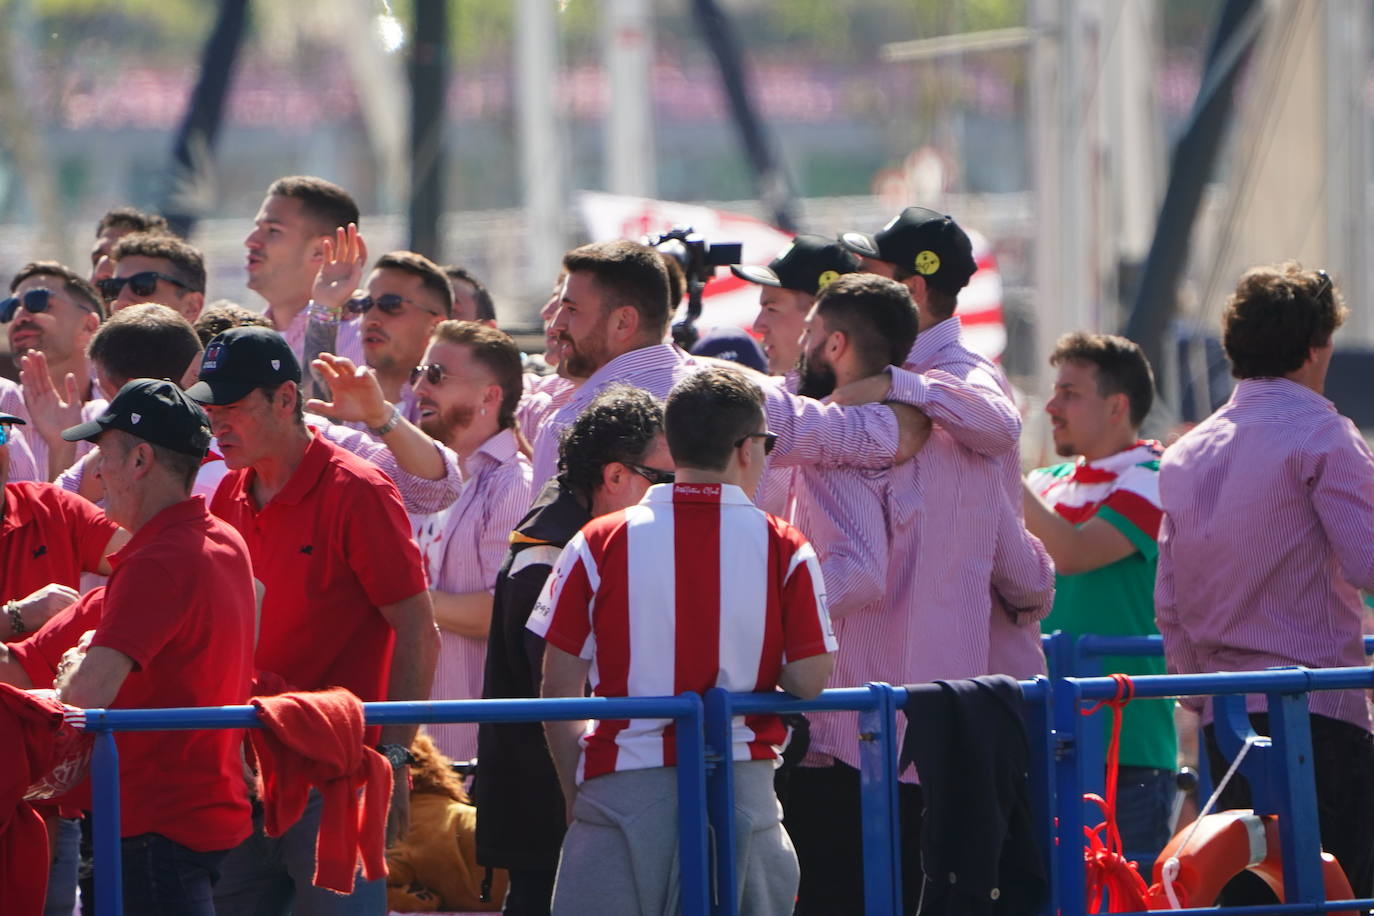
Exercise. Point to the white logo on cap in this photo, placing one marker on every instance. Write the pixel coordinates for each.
(276, 364)
(135, 417)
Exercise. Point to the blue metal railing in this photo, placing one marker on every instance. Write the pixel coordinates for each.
(1054, 724)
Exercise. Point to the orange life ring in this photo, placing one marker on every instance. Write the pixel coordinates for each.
(1224, 845)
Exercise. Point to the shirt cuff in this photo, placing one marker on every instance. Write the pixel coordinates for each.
(907, 387)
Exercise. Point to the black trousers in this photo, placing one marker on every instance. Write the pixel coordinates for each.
(1343, 763)
(822, 815)
(530, 893)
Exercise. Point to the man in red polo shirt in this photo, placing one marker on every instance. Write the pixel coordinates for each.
(174, 627)
(345, 601)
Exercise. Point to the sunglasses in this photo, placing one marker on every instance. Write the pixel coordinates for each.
(34, 301)
(142, 283)
(769, 440)
(433, 373)
(653, 475)
(388, 303)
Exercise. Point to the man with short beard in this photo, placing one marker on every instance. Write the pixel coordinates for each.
(547, 393)
(466, 391)
(612, 322)
(890, 543)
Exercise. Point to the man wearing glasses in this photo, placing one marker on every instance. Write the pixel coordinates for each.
(728, 597)
(156, 268)
(50, 316)
(392, 316)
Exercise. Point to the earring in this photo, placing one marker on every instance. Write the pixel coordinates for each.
(482, 411)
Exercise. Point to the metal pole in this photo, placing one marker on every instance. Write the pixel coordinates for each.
(720, 799)
(109, 877)
(627, 41)
(428, 89)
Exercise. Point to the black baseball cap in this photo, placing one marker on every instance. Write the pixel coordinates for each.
(154, 410)
(11, 418)
(241, 359)
(732, 344)
(806, 265)
(929, 243)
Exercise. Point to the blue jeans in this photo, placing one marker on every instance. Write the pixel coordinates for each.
(1144, 803)
(271, 876)
(61, 898)
(163, 878)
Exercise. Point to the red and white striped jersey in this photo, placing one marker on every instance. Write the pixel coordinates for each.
(690, 589)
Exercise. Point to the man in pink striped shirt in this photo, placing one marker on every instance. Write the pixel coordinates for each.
(746, 611)
(612, 322)
(1267, 533)
(911, 557)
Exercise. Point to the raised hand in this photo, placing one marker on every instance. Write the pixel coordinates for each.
(342, 268)
(50, 411)
(357, 396)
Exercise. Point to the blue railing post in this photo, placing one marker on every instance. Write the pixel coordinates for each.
(109, 878)
(878, 801)
(1092, 744)
(1292, 777)
(1068, 790)
(1040, 731)
(720, 799)
(691, 789)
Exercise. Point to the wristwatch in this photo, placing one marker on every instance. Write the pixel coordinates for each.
(389, 425)
(397, 754)
(17, 627)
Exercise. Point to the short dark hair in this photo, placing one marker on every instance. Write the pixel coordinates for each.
(325, 203)
(677, 280)
(187, 263)
(1276, 316)
(706, 415)
(1121, 367)
(145, 341)
(618, 425)
(132, 219)
(875, 313)
(627, 274)
(497, 352)
(223, 315)
(76, 285)
(417, 265)
(481, 296)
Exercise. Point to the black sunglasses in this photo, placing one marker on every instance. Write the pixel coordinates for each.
(34, 302)
(653, 475)
(769, 440)
(142, 283)
(433, 373)
(389, 303)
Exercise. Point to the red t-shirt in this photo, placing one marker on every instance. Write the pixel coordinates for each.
(180, 603)
(48, 535)
(331, 548)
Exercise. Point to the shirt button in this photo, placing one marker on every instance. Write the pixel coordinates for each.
(953, 877)
(995, 894)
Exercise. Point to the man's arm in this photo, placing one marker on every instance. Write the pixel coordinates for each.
(341, 271)
(115, 544)
(1075, 548)
(413, 659)
(805, 677)
(467, 614)
(1342, 475)
(1022, 571)
(94, 681)
(565, 675)
(11, 672)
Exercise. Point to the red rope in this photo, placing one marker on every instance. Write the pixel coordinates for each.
(1108, 869)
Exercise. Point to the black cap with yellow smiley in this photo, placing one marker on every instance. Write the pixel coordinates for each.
(928, 243)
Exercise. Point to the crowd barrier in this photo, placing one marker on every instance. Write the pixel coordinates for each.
(1062, 755)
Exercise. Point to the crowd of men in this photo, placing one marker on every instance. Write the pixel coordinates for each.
(364, 485)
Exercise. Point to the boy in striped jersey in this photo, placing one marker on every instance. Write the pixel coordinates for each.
(692, 588)
(1098, 515)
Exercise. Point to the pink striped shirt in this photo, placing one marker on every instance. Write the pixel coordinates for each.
(542, 397)
(692, 588)
(31, 454)
(956, 542)
(809, 432)
(464, 547)
(972, 400)
(1268, 531)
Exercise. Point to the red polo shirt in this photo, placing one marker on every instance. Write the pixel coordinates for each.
(48, 535)
(330, 549)
(180, 604)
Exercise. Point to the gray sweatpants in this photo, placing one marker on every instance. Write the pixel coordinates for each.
(621, 853)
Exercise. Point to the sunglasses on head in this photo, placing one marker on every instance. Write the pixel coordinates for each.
(769, 440)
(653, 475)
(142, 283)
